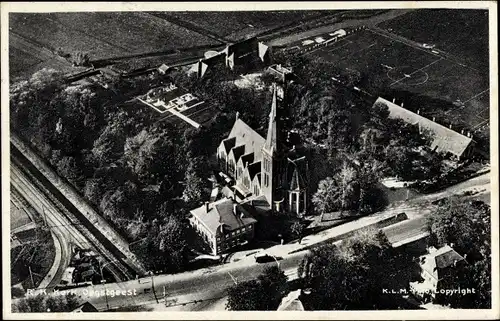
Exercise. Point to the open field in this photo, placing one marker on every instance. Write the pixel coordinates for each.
(463, 33)
(34, 38)
(104, 34)
(418, 77)
(236, 25)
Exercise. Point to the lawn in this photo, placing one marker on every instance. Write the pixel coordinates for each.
(239, 24)
(440, 88)
(463, 33)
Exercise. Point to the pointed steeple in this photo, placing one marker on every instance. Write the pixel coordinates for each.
(272, 130)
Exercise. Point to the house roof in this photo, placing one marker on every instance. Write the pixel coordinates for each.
(436, 262)
(443, 139)
(221, 213)
(245, 135)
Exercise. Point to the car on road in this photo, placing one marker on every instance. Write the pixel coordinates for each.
(266, 258)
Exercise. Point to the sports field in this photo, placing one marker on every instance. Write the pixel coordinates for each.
(390, 65)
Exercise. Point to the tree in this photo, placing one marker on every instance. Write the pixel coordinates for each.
(298, 229)
(353, 275)
(263, 294)
(326, 199)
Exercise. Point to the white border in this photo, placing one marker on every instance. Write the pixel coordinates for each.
(227, 6)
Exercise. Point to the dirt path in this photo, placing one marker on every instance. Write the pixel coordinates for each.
(371, 21)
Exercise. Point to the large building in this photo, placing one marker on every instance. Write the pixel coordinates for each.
(223, 224)
(266, 167)
(443, 140)
(268, 176)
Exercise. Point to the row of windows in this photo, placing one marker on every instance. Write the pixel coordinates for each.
(229, 244)
(267, 164)
(237, 232)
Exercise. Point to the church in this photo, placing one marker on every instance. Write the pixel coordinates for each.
(268, 177)
(266, 168)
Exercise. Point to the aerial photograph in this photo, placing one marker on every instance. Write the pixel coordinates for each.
(272, 160)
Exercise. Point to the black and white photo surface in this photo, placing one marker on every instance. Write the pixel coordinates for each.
(166, 159)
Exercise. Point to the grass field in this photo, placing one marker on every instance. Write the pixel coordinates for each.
(390, 67)
(35, 37)
(236, 25)
(463, 33)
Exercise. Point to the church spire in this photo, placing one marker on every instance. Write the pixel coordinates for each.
(272, 130)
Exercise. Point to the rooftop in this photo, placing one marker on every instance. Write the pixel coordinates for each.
(443, 139)
(222, 213)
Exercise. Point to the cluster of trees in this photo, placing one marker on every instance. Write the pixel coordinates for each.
(353, 133)
(141, 175)
(354, 275)
(466, 226)
(353, 188)
(44, 303)
(263, 294)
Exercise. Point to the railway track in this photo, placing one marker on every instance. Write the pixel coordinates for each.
(58, 216)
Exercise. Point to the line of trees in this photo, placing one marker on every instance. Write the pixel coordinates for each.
(44, 303)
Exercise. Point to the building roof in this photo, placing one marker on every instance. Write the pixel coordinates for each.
(254, 169)
(297, 173)
(291, 302)
(272, 130)
(247, 158)
(245, 135)
(229, 143)
(443, 139)
(436, 262)
(238, 151)
(222, 213)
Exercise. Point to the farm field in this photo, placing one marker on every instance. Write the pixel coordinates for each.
(463, 33)
(391, 68)
(102, 35)
(236, 25)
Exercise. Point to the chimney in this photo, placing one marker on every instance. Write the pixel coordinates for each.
(450, 126)
(207, 206)
(434, 118)
(235, 210)
(468, 134)
(241, 215)
(462, 132)
(237, 115)
(418, 112)
(402, 105)
(393, 100)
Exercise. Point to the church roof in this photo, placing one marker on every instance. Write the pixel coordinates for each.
(229, 143)
(247, 158)
(272, 130)
(254, 169)
(297, 173)
(245, 135)
(238, 151)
